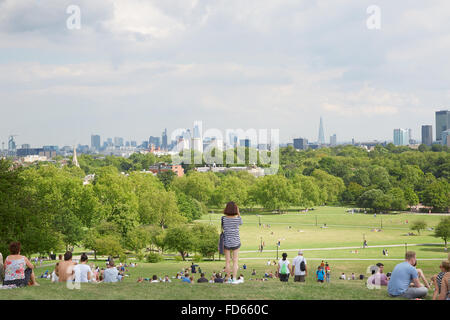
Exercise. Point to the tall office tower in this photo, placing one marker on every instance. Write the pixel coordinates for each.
(95, 142)
(164, 145)
(427, 135)
(109, 141)
(442, 122)
(134, 144)
(156, 141)
(245, 143)
(118, 142)
(321, 133)
(445, 138)
(301, 144)
(333, 140)
(410, 136)
(11, 143)
(401, 137)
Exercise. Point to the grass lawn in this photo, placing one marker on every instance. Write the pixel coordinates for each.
(294, 230)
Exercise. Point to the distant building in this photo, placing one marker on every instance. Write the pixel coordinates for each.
(301, 144)
(156, 141)
(95, 142)
(321, 133)
(333, 140)
(164, 144)
(442, 122)
(245, 143)
(427, 135)
(445, 138)
(118, 142)
(164, 167)
(401, 137)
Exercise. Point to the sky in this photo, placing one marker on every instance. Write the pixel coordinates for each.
(135, 67)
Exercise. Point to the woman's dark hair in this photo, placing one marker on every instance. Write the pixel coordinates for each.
(284, 255)
(154, 277)
(84, 257)
(14, 247)
(67, 256)
(231, 209)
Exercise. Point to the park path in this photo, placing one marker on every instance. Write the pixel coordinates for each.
(345, 259)
(344, 248)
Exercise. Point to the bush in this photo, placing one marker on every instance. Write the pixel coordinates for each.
(140, 257)
(123, 258)
(178, 258)
(154, 257)
(197, 258)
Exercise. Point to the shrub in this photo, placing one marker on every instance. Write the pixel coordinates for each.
(154, 257)
(178, 258)
(197, 258)
(140, 257)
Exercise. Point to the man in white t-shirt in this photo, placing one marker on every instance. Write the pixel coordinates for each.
(83, 272)
(299, 269)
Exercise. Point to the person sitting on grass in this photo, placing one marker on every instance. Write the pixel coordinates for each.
(64, 270)
(154, 279)
(437, 279)
(218, 278)
(83, 272)
(379, 278)
(445, 287)
(186, 278)
(202, 279)
(18, 269)
(254, 272)
(320, 274)
(166, 279)
(403, 274)
(342, 276)
(111, 274)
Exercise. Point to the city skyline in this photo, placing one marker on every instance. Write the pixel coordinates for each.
(134, 68)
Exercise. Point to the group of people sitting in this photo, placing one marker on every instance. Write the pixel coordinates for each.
(405, 279)
(185, 277)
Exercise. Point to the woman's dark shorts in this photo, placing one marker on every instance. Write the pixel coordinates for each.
(232, 248)
(20, 282)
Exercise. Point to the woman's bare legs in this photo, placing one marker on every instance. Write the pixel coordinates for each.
(235, 263)
(227, 260)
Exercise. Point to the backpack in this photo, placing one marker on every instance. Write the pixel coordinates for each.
(284, 269)
(302, 265)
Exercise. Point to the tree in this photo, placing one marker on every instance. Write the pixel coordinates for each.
(374, 199)
(398, 201)
(206, 239)
(197, 185)
(190, 208)
(137, 239)
(437, 195)
(273, 192)
(418, 225)
(108, 245)
(231, 188)
(352, 193)
(180, 239)
(166, 177)
(443, 230)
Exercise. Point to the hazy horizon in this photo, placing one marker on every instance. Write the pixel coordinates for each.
(137, 67)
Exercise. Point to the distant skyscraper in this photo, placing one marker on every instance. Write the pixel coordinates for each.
(442, 122)
(95, 142)
(156, 141)
(118, 142)
(321, 133)
(300, 144)
(401, 137)
(427, 135)
(333, 140)
(245, 143)
(445, 138)
(164, 145)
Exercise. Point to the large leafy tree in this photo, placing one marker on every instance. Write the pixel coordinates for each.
(180, 239)
(443, 230)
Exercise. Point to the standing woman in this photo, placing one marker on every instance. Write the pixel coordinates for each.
(284, 268)
(232, 242)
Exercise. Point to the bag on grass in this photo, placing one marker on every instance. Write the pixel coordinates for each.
(221, 240)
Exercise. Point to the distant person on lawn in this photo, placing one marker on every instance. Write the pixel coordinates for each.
(18, 269)
(403, 274)
(202, 279)
(284, 268)
(299, 268)
(320, 274)
(232, 242)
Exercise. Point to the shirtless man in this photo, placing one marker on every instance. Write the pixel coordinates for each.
(65, 268)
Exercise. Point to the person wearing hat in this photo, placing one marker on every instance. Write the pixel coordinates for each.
(299, 268)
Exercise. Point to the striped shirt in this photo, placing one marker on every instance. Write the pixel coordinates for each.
(231, 231)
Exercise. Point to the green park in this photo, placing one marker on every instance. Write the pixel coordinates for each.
(327, 202)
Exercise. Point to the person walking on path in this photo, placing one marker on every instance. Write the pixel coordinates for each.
(284, 268)
(232, 242)
(299, 268)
